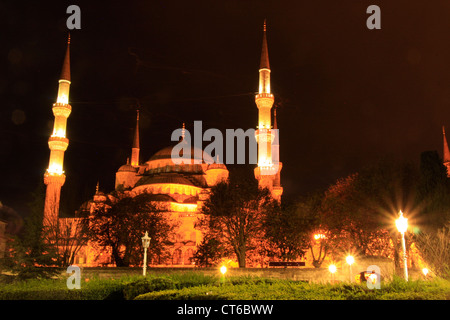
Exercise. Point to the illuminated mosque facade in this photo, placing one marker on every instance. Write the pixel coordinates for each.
(181, 187)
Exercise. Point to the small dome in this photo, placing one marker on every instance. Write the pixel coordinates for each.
(217, 166)
(127, 168)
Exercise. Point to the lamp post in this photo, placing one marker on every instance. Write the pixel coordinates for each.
(350, 260)
(332, 268)
(402, 226)
(223, 270)
(145, 243)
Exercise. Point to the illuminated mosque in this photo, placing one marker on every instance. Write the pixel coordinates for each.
(181, 187)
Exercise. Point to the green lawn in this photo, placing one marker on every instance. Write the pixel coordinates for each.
(196, 285)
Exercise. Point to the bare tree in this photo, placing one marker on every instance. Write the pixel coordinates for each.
(435, 250)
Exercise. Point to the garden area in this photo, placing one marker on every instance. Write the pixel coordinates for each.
(195, 285)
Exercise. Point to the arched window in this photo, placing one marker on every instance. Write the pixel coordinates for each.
(177, 257)
(188, 255)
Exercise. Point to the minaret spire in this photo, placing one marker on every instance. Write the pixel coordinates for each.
(446, 153)
(264, 63)
(264, 66)
(268, 169)
(135, 148)
(65, 72)
(54, 177)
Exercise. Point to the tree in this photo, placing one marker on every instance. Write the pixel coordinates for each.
(233, 213)
(121, 225)
(286, 230)
(435, 250)
(317, 236)
(210, 252)
(71, 235)
(359, 211)
(433, 191)
(31, 254)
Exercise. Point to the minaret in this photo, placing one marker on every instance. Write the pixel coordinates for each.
(267, 169)
(277, 190)
(135, 148)
(54, 177)
(446, 154)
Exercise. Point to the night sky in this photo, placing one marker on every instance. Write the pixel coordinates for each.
(346, 95)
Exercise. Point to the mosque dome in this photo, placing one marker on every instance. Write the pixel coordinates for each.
(166, 153)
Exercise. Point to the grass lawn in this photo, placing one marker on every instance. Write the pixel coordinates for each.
(197, 286)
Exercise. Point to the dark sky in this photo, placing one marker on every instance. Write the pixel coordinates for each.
(346, 94)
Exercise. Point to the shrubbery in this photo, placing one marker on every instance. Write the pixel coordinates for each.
(197, 286)
(142, 286)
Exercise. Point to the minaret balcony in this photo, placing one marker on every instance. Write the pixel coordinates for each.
(58, 143)
(266, 171)
(264, 95)
(264, 135)
(264, 100)
(54, 178)
(62, 109)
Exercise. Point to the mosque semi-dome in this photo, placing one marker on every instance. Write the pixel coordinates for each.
(127, 168)
(164, 179)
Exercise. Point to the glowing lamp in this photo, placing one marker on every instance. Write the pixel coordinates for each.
(350, 260)
(319, 236)
(332, 268)
(401, 223)
(146, 240)
(402, 226)
(425, 271)
(223, 269)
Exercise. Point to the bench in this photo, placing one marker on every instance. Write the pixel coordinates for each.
(286, 264)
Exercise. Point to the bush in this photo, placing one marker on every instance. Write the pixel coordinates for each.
(189, 286)
(250, 280)
(192, 279)
(250, 289)
(133, 289)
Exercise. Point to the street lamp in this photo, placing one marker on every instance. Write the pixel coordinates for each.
(332, 268)
(425, 272)
(350, 260)
(402, 226)
(223, 270)
(145, 243)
